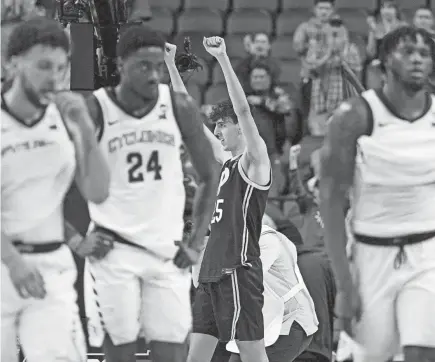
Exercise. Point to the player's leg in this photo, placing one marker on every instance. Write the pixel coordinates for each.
(243, 294)
(167, 317)
(204, 337)
(118, 294)
(50, 328)
(11, 304)
(416, 304)
(378, 284)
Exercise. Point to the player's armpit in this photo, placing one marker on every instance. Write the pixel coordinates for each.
(96, 113)
(349, 122)
(190, 123)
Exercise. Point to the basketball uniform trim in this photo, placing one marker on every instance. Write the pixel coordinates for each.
(370, 117)
(252, 183)
(236, 301)
(245, 236)
(96, 112)
(34, 122)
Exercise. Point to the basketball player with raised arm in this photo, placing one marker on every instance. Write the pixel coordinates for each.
(380, 150)
(142, 285)
(229, 301)
(47, 139)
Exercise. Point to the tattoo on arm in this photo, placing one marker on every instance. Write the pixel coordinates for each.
(190, 123)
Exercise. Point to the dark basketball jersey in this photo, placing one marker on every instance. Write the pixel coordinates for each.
(236, 223)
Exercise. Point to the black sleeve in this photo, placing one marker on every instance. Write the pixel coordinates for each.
(96, 113)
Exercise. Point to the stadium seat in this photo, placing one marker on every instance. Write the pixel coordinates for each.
(297, 4)
(282, 48)
(172, 5)
(216, 93)
(195, 92)
(288, 21)
(200, 20)
(200, 77)
(249, 21)
(269, 5)
(235, 47)
(352, 4)
(354, 20)
(411, 4)
(162, 20)
(290, 72)
(196, 41)
(221, 5)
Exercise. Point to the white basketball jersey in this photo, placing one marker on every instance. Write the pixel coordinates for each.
(394, 186)
(38, 166)
(146, 199)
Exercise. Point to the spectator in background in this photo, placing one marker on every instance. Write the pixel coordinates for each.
(423, 18)
(272, 105)
(383, 20)
(259, 52)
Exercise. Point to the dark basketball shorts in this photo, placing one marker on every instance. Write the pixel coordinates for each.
(231, 308)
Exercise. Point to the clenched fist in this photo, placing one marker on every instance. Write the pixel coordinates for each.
(215, 45)
(170, 50)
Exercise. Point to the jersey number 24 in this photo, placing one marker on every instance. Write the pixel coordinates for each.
(136, 162)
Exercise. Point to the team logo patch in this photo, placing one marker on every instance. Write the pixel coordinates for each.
(163, 110)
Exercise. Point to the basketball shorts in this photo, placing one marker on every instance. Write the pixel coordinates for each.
(47, 329)
(231, 308)
(398, 304)
(137, 294)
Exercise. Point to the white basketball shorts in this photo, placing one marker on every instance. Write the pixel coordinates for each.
(135, 294)
(398, 304)
(48, 329)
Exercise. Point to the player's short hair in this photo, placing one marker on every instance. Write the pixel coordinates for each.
(37, 31)
(261, 65)
(392, 40)
(224, 110)
(136, 37)
(332, 2)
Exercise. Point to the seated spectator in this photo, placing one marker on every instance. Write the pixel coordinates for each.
(271, 107)
(259, 51)
(383, 20)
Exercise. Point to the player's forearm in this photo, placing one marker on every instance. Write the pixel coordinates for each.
(10, 255)
(92, 174)
(333, 216)
(203, 207)
(176, 80)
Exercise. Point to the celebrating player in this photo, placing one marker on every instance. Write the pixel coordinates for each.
(142, 125)
(381, 147)
(228, 303)
(44, 145)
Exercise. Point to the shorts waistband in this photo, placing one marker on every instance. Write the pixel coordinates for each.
(396, 241)
(27, 248)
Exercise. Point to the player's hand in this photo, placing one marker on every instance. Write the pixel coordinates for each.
(185, 256)
(96, 245)
(215, 45)
(27, 280)
(348, 309)
(170, 50)
(72, 106)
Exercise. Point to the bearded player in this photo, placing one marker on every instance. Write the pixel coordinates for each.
(380, 148)
(45, 145)
(142, 286)
(229, 301)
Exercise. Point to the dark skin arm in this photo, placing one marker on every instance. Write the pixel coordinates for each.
(349, 122)
(201, 154)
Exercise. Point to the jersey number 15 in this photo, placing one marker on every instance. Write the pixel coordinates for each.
(218, 212)
(135, 159)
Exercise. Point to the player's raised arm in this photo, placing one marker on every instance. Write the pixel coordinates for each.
(189, 120)
(336, 178)
(178, 86)
(256, 150)
(92, 173)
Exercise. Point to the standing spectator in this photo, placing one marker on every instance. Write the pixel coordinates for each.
(272, 106)
(260, 51)
(383, 20)
(423, 18)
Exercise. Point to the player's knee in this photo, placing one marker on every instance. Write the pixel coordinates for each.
(254, 351)
(419, 354)
(168, 352)
(201, 347)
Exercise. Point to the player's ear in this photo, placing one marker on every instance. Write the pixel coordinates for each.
(120, 65)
